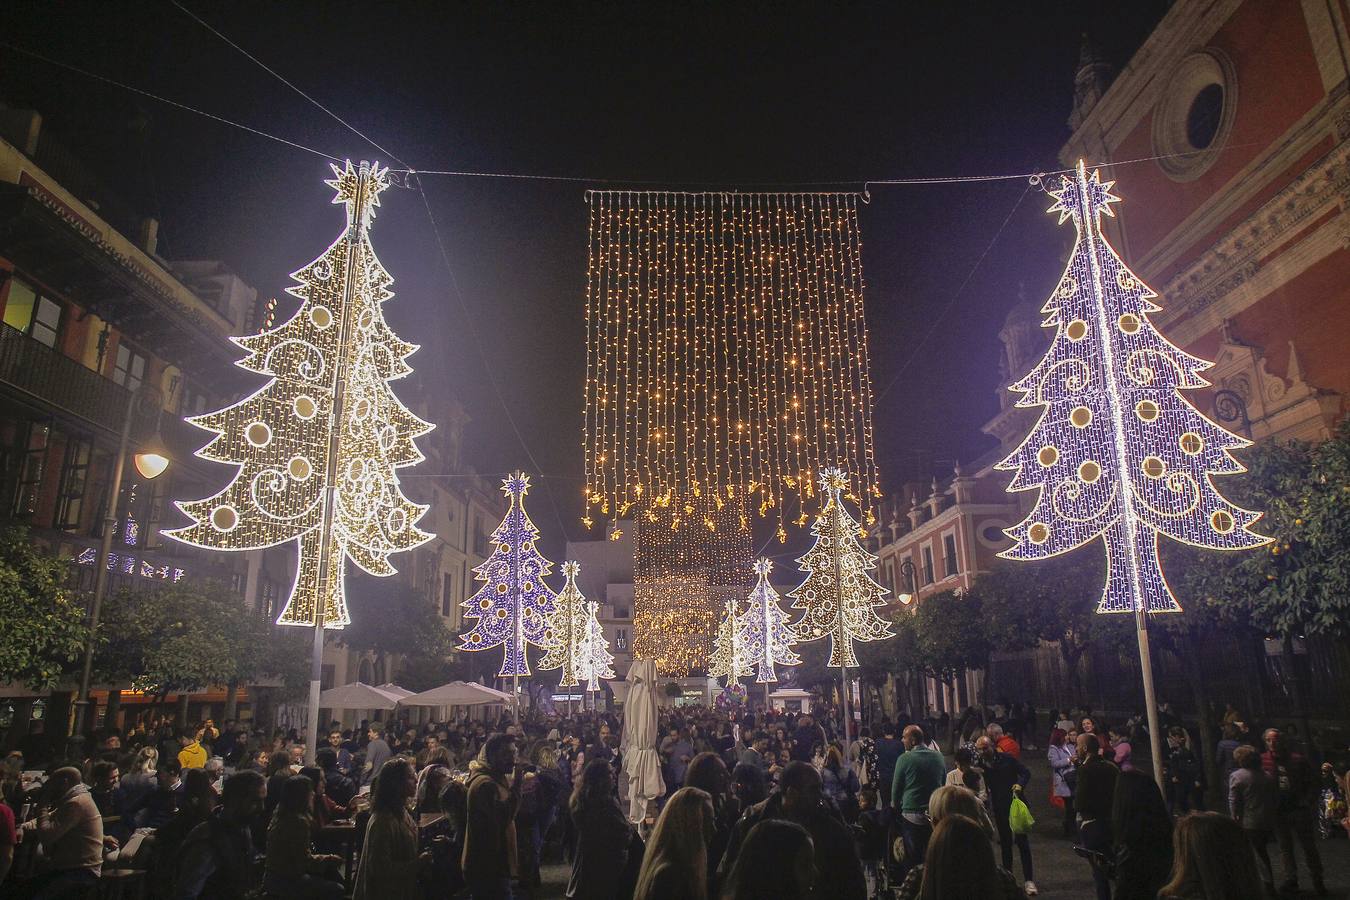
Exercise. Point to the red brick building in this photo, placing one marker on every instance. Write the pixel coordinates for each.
(1229, 130)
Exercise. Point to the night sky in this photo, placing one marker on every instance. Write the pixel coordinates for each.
(731, 95)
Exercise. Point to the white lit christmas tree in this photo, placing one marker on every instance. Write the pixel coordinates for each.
(1119, 452)
(597, 662)
(838, 597)
(513, 607)
(568, 632)
(728, 658)
(766, 637)
(326, 418)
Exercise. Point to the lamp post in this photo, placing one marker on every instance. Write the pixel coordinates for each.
(907, 570)
(151, 461)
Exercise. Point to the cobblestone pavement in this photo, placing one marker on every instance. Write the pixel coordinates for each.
(1059, 872)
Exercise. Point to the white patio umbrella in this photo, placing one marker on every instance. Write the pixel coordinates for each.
(390, 688)
(357, 695)
(641, 763)
(457, 693)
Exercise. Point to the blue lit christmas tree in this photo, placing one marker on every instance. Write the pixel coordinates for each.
(514, 607)
(766, 637)
(1119, 452)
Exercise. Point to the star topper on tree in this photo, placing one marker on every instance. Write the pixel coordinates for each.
(766, 636)
(1119, 452)
(838, 597)
(514, 607)
(318, 447)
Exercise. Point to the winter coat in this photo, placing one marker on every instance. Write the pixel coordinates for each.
(604, 837)
(1061, 761)
(836, 852)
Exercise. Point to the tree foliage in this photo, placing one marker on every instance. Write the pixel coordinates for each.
(1300, 583)
(44, 630)
(388, 617)
(949, 634)
(1052, 600)
(192, 635)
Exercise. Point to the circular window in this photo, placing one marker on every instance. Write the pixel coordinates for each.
(1195, 114)
(1204, 116)
(993, 537)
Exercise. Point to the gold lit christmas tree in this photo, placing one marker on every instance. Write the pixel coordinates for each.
(318, 447)
(839, 596)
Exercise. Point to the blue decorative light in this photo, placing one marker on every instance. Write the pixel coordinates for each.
(1118, 453)
(514, 607)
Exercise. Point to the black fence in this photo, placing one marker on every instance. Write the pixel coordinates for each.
(1253, 673)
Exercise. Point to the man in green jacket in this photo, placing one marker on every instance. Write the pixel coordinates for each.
(919, 771)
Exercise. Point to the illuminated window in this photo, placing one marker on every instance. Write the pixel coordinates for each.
(36, 316)
(129, 370)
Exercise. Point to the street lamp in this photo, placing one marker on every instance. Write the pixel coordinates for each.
(151, 460)
(909, 571)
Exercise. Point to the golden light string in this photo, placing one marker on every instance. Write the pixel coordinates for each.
(734, 343)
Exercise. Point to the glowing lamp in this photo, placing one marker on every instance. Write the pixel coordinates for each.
(153, 458)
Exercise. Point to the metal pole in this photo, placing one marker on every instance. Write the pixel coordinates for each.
(843, 632)
(1130, 526)
(101, 565)
(334, 442)
(1150, 699)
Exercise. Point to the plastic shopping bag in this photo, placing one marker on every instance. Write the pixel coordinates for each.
(1019, 817)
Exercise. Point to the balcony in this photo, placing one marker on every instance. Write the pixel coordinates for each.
(49, 379)
(102, 271)
(56, 380)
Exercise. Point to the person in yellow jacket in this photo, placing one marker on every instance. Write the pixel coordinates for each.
(193, 755)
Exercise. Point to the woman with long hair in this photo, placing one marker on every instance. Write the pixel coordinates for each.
(677, 854)
(1142, 830)
(137, 783)
(960, 864)
(947, 802)
(389, 860)
(708, 773)
(1212, 861)
(605, 837)
(1060, 754)
(290, 868)
(840, 783)
(776, 862)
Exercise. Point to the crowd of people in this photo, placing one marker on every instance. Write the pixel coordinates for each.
(758, 804)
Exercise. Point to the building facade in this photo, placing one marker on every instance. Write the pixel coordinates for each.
(1235, 117)
(98, 328)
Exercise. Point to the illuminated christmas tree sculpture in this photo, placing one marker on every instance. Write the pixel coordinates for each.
(1119, 452)
(598, 662)
(728, 657)
(318, 447)
(838, 597)
(568, 632)
(766, 637)
(514, 607)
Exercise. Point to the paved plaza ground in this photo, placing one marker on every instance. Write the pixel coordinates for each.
(1060, 873)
